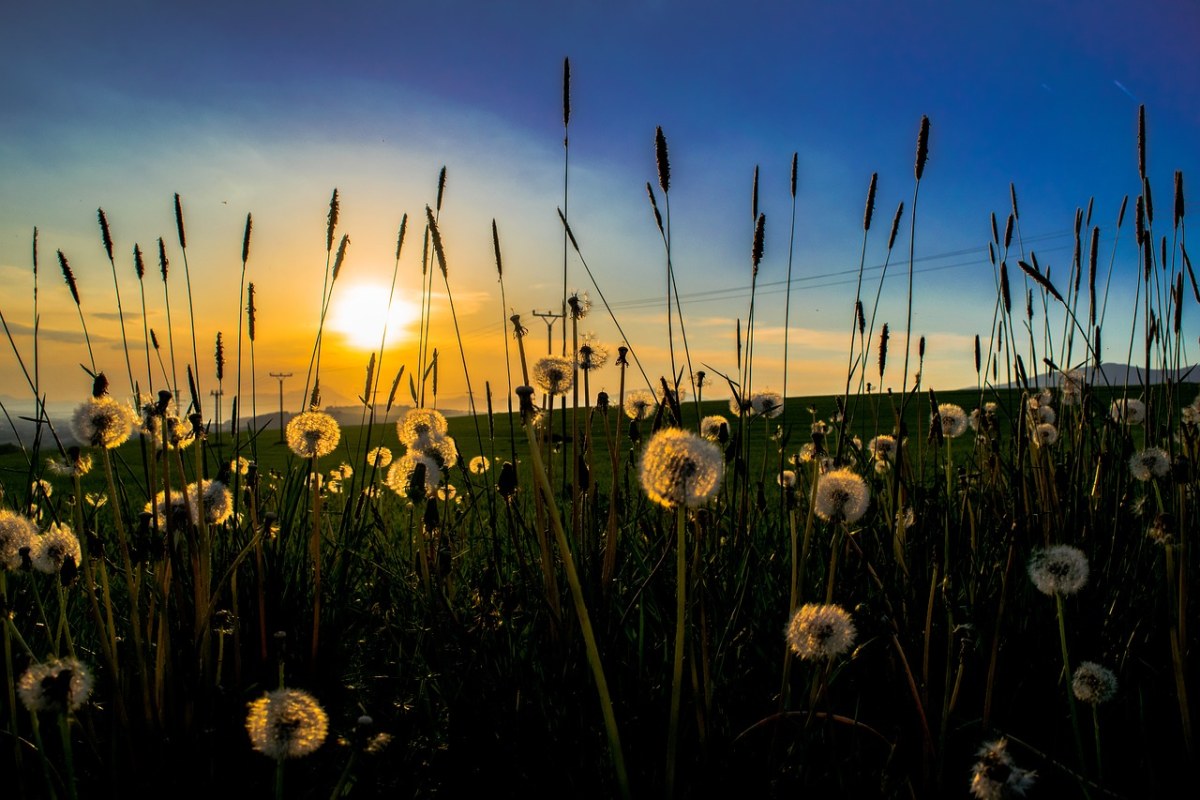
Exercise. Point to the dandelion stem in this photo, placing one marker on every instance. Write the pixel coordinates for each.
(677, 670)
(1062, 638)
(589, 637)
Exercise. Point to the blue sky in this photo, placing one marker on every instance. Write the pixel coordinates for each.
(266, 108)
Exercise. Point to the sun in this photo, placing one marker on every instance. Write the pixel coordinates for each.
(360, 311)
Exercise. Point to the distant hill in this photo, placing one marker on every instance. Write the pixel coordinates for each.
(60, 416)
(1114, 374)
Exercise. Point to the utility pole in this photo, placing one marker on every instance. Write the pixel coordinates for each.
(280, 376)
(549, 317)
(216, 393)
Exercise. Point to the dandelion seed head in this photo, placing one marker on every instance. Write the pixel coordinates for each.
(379, 457)
(286, 723)
(177, 507)
(1161, 531)
(592, 354)
(766, 404)
(1093, 684)
(50, 551)
(883, 447)
(313, 434)
(444, 450)
(60, 685)
(554, 374)
(819, 631)
(479, 465)
(1190, 415)
(954, 420)
(420, 427)
(1129, 411)
(1071, 386)
(787, 479)
(400, 473)
(1152, 462)
(710, 427)
(842, 496)
(679, 468)
(74, 465)
(16, 531)
(214, 497)
(580, 304)
(102, 422)
(1045, 434)
(240, 465)
(639, 404)
(1058, 569)
(996, 777)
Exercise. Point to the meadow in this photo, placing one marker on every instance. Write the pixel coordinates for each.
(693, 587)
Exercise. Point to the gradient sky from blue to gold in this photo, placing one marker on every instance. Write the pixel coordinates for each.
(266, 109)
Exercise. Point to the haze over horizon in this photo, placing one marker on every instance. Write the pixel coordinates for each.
(266, 109)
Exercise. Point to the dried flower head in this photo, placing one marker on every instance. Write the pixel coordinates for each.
(953, 419)
(51, 550)
(479, 465)
(680, 468)
(379, 457)
(580, 304)
(313, 434)
(820, 631)
(995, 776)
(554, 374)
(102, 422)
(1071, 386)
(1152, 462)
(842, 497)
(16, 532)
(1058, 569)
(639, 404)
(239, 465)
(286, 723)
(1093, 684)
(60, 685)
(787, 479)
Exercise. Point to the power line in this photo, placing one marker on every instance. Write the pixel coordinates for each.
(843, 276)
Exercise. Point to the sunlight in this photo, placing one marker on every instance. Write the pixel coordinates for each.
(359, 312)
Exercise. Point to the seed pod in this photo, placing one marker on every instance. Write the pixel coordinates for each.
(664, 164)
(922, 147)
(870, 209)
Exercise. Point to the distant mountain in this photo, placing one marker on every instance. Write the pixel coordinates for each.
(1114, 374)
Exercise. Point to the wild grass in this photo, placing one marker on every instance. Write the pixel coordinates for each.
(538, 624)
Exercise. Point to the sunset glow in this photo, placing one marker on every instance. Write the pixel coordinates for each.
(359, 313)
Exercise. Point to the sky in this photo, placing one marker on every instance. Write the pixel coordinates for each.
(265, 108)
